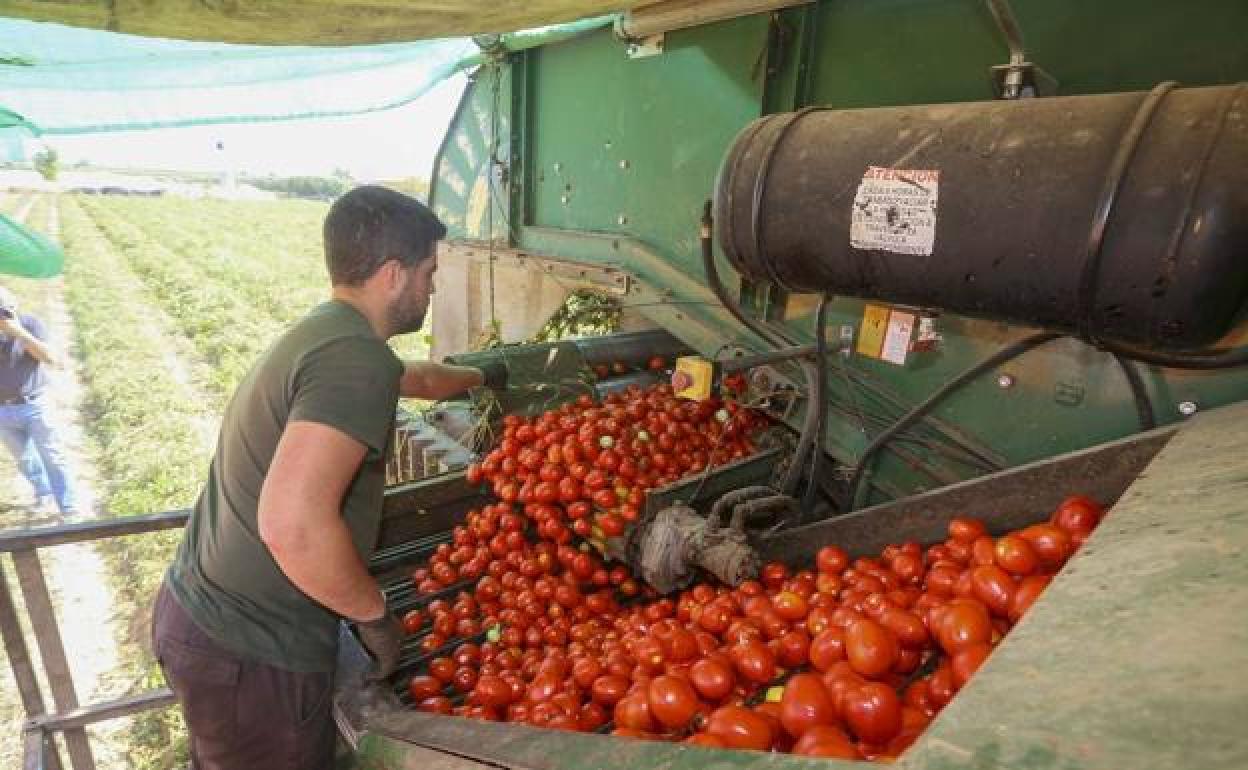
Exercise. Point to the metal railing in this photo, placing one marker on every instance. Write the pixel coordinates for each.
(69, 718)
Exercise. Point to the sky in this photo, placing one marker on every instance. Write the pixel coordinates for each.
(383, 145)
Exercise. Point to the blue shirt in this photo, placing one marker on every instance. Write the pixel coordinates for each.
(20, 372)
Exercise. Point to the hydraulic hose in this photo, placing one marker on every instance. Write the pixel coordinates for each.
(1008, 353)
(809, 424)
(821, 402)
(1225, 359)
(1139, 393)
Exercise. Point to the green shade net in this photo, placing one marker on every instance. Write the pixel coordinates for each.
(26, 253)
(65, 80)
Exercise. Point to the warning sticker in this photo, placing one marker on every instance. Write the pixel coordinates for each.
(895, 210)
(897, 337)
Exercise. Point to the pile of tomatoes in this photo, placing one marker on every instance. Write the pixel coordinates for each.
(849, 659)
(584, 469)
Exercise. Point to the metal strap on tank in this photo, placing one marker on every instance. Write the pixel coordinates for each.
(760, 185)
(1105, 205)
(728, 181)
(1189, 198)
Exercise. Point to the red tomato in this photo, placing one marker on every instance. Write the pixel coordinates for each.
(1051, 543)
(609, 689)
(493, 691)
(873, 712)
(994, 587)
(774, 574)
(422, 687)
(673, 701)
(963, 623)
(827, 648)
(966, 530)
(790, 605)
(870, 648)
(740, 728)
(633, 711)
(412, 621)
(754, 661)
(438, 704)
(826, 741)
(831, 560)
(712, 678)
(1078, 514)
(804, 704)
(793, 649)
(1029, 589)
(1016, 556)
(967, 661)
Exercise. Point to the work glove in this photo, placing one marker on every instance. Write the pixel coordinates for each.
(495, 374)
(382, 637)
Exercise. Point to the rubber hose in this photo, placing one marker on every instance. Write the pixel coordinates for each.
(821, 403)
(807, 438)
(1139, 392)
(743, 512)
(1007, 353)
(730, 499)
(1225, 359)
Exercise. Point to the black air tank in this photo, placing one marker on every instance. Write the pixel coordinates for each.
(1117, 216)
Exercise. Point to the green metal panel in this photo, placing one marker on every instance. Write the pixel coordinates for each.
(621, 153)
(641, 138)
(464, 194)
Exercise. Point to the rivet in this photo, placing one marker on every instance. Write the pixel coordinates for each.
(621, 220)
(1188, 408)
(1005, 381)
(624, 164)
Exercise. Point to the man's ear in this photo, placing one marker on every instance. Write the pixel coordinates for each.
(392, 274)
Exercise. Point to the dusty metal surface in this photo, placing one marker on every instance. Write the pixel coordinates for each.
(425, 507)
(1137, 654)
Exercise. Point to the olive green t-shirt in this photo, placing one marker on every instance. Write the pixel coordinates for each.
(329, 368)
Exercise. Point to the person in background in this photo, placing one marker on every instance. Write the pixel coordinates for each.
(245, 625)
(27, 423)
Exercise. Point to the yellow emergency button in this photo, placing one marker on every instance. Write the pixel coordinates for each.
(693, 378)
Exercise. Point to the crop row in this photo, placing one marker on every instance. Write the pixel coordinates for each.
(151, 429)
(265, 254)
(227, 332)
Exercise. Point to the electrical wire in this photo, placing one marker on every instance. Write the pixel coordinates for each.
(1007, 353)
(770, 336)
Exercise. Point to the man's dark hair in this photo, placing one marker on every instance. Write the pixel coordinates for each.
(372, 224)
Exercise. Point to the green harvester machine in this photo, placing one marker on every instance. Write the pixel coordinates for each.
(970, 257)
(979, 257)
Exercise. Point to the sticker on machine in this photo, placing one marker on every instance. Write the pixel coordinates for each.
(895, 210)
(897, 337)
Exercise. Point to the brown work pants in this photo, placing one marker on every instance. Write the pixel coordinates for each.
(242, 715)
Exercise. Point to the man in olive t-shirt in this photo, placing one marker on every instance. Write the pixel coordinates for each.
(245, 626)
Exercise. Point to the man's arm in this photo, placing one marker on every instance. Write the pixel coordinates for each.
(32, 344)
(300, 519)
(425, 379)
